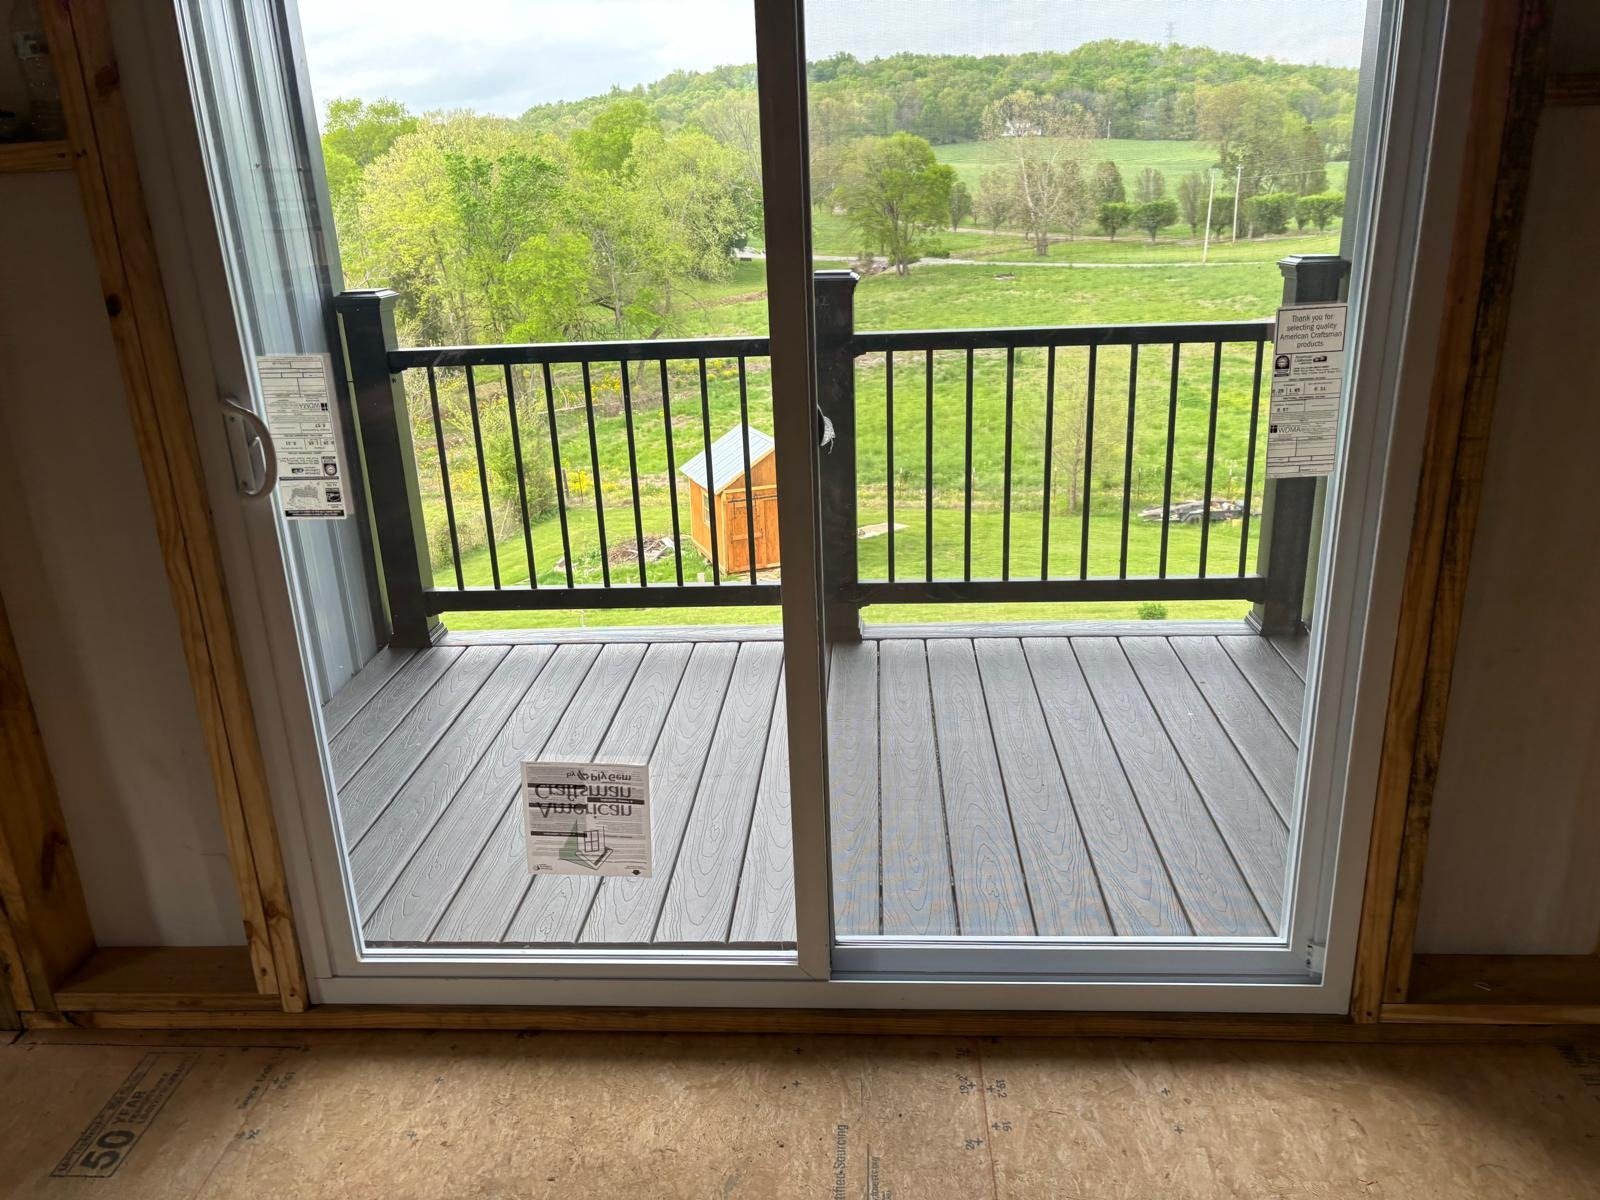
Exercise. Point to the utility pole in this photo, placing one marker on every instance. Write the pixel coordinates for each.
(1211, 194)
(1238, 182)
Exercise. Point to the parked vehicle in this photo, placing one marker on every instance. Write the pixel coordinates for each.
(1188, 512)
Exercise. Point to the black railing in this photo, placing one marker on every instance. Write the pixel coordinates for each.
(476, 454)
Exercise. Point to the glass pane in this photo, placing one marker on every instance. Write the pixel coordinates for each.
(1058, 235)
(555, 326)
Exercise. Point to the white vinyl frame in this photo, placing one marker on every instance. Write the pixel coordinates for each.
(1419, 61)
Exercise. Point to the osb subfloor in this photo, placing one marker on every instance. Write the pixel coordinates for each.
(577, 1115)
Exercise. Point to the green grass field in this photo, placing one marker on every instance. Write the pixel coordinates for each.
(931, 296)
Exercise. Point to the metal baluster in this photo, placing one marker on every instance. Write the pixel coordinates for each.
(1088, 462)
(672, 472)
(1211, 455)
(633, 471)
(483, 479)
(749, 499)
(1172, 439)
(967, 538)
(1049, 454)
(1250, 461)
(444, 479)
(927, 490)
(522, 481)
(1127, 462)
(561, 478)
(594, 478)
(888, 404)
(711, 479)
(1005, 519)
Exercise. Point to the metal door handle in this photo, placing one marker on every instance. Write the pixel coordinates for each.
(255, 459)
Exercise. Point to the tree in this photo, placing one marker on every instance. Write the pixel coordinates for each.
(1250, 124)
(1115, 215)
(354, 132)
(1151, 185)
(608, 141)
(1311, 171)
(1269, 212)
(733, 120)
(960, 204)
(993, 203)
(1046, 138)
(1193, 189)
(1155, 215)
(1320, 210)
(1108, 185)
(895, 194)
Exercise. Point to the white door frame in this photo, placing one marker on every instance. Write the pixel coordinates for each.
(1414, 163)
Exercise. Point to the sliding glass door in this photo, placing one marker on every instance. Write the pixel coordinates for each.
(855, 526)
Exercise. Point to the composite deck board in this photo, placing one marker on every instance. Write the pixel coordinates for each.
(389, 842)
(764, 909)
(1215, 896)
(705, 879)
(853, 785)
(1062, 886)
(1296, 651)
(1272, 678)
(436, 870)
(554, 909)
(1078, 787)
(1247, 820)
(916, 889)
(1138, 892)
(364, 733)
(493, 889)
(626, 910)
(372, 787)
(1244, 716)
(991, 894)
(352, 698)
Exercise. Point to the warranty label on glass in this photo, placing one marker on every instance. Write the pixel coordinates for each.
(586, 818)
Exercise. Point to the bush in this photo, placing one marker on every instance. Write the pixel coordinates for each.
(1269, 212)
(1155, 215)
(1115, 215)
(1320, 209)
(1152, 610)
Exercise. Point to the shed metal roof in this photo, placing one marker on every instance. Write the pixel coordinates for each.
(727, 458)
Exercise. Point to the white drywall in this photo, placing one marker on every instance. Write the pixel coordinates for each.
(1514, 855)
(82, 576)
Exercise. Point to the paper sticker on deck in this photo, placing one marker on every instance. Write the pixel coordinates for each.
(586, 818)
(1307, 382)
(298, 389)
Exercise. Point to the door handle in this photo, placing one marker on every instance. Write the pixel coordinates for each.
(255, 459)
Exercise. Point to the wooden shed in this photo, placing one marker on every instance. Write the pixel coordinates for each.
(722, 488)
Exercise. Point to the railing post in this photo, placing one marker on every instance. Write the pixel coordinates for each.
(836, 396)
(1290, 507)
(383, 426)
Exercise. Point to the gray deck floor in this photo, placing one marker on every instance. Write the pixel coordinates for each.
(984, 785)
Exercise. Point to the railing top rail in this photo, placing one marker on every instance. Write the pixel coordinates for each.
(646, 350)
(871, 341)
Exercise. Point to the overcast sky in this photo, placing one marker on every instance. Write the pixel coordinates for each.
(502, 56)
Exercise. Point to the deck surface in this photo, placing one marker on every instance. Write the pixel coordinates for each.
(1106, 782)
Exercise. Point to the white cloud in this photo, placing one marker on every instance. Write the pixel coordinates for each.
(505, 55)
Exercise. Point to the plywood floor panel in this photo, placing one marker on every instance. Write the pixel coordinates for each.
(448, 1115)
